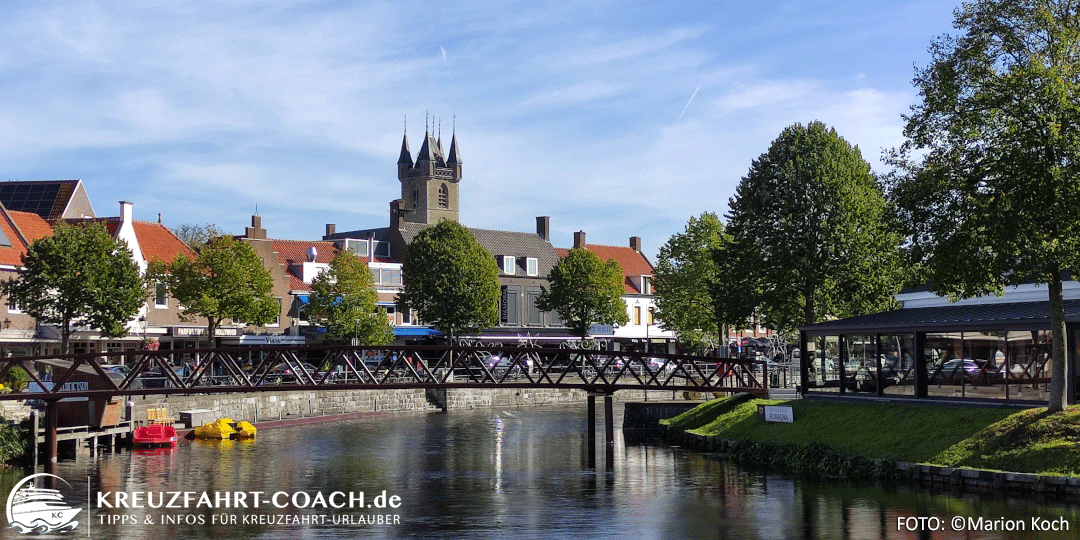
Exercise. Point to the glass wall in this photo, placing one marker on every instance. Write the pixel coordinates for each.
(988, 364)
(898, 364)
(824, 369)
(861, 364)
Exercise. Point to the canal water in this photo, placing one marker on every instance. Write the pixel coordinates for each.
(506, 474)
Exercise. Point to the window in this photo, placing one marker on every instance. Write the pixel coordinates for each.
(646, 284)
(508, 264)
(444, 196)
(406, 316)
(652, 316)
(161, 300)
(382, 249)
(532, 266)
(359, 247)
(277, 316)
(637, 315)
(415, 198)
(388, 277)
(14, 307)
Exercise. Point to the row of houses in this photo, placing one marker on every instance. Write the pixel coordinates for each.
(429, 193)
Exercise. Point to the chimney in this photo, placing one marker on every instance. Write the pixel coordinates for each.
(579, 239)
(543, 227)
(125, 212)
(330, 230)
(635, 243)
(255, 231)
(397, 211)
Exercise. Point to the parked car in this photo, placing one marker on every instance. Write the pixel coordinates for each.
(156, 378)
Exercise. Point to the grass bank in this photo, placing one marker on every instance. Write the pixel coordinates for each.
(844, 438)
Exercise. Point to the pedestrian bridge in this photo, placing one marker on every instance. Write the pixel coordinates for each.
(256, 369)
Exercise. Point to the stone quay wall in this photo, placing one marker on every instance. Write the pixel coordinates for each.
(264, 406)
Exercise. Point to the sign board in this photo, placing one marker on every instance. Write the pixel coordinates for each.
(775, 413)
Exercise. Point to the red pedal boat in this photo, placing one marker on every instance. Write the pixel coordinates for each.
(155, 435)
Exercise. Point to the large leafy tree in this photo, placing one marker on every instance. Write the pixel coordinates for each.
(196, 236)
(451, 281)
(685, 271)
(585, 290)
(809, 234)
(225, 281)
(79, 276)
(343, 301)
(988, 182)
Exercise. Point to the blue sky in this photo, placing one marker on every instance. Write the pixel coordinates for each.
(616, 118)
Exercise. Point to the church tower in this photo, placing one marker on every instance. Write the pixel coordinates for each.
(429, 186)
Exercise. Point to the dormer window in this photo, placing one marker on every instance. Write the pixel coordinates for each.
(646, 284)
(532, 266)
(508, 265)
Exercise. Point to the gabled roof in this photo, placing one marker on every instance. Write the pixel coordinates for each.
(633, 263)
(50, 199)
(502, 243)
(290, 252)
(159, 243)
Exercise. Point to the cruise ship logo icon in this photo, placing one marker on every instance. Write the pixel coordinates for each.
(39, 510)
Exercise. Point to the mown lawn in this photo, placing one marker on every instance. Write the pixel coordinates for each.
(979, 437)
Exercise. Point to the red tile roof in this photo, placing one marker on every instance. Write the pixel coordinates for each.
(159, 243)
(633, 264)
(291, 252)
(32, 225)
(11, 254)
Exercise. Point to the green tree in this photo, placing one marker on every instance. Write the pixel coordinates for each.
(685, 272)
(988, 182)
(343, 302)
(585, 290)
(79, 276)
(196, 236)
(809, 234)
(226, 280)
(451, 281)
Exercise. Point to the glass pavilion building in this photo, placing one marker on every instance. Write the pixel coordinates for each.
(995, 349)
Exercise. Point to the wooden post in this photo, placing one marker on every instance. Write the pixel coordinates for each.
(35, 426)
(591, 429)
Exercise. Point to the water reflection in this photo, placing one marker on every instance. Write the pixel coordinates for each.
(508, 475)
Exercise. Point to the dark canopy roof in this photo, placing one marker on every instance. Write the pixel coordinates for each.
(993, 315)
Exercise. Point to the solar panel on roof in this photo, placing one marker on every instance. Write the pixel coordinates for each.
(36, 198)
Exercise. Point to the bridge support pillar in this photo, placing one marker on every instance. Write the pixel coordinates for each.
(591, 430)
(52, 420)
(609, 431)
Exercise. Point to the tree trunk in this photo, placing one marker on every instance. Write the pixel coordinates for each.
(211, 325)
(65, 336)
(1060, 372)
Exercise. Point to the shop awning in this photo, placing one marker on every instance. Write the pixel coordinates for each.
(411, 331)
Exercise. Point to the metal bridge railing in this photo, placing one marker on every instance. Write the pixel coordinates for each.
(273, 368)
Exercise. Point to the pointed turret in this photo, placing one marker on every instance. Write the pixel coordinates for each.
(452, 161)
(425, 158)
(404, 162)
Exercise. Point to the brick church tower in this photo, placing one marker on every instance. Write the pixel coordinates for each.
(429, 186)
